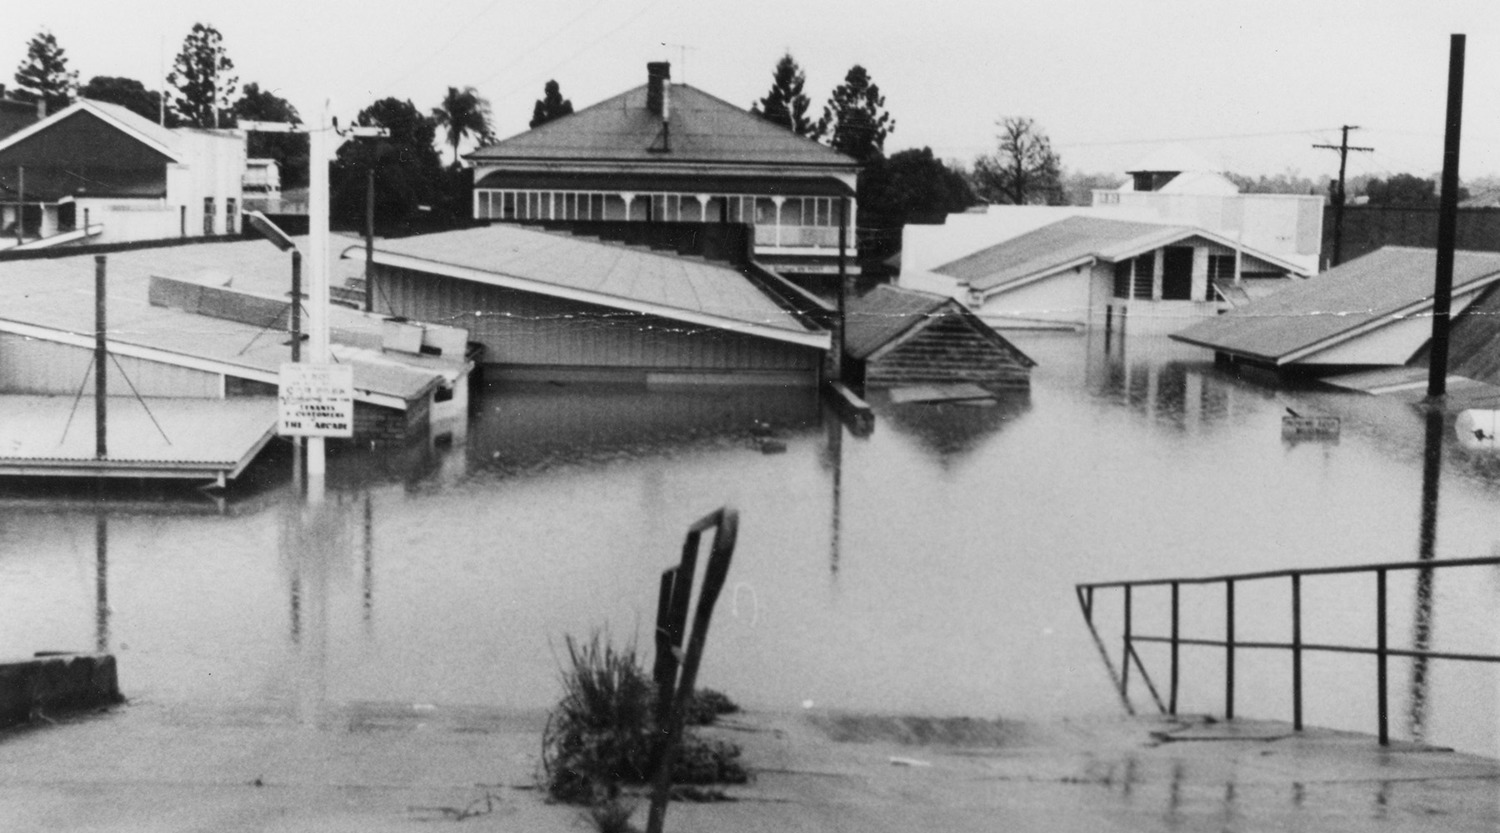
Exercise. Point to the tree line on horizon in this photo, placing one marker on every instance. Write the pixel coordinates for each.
(415, 187)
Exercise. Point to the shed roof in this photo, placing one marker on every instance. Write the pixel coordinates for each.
(884, 313)
(1384, 286)
(52, 298)
(606, 274)
(703, 129)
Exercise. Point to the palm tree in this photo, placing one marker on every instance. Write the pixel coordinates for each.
(463, 113)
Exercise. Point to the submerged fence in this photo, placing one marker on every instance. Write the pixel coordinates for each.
(1296, 647)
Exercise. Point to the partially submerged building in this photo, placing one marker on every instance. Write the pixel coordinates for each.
(1145, 278)
(551, 305)
(210, 323)
(1371, 312)
(99, 171)
(895, 336)
(665, 152)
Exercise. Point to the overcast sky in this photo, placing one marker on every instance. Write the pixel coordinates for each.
(1251, 85)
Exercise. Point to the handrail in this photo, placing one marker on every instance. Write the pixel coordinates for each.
(1382, 651)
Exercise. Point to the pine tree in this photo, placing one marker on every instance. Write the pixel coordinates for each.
(855, 120)
(202, 77)
(785, 104)
(551, 106)
(44, 73)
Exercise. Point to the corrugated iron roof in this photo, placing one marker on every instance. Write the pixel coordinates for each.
(884, 313)
(703, 129)
(1055, 246)
(608, 274)
(1332, 305)
(208, 433)
(57, 295)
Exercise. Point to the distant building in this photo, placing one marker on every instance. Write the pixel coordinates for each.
(99, 171)
(1147, 278)
(262, 177)
(665, 152)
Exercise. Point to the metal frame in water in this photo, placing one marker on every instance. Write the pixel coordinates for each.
(1382, 650)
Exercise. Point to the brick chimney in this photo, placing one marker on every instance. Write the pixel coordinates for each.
(659, 88)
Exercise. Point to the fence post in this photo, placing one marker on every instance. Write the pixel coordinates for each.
(1297, 651)
(1172, 697)
(1380, 658)
(1229, 649)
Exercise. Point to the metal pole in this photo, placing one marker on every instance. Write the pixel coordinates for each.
(1297, 651)
(20, 201)
(1229, 649)
(1172, 698)
(370, 240)
(296, 311)
(101, 364)
(1442, 296)
(317, 273)
(1380, 658)
(837, 363)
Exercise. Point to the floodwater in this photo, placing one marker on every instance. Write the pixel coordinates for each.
(927, 568)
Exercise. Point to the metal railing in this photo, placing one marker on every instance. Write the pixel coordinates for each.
(1297, 647)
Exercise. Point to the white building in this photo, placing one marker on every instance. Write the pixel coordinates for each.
(100, 172)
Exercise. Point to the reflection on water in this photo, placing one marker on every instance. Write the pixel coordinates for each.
(927, 567)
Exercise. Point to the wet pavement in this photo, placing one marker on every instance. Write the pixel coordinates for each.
(381, 767)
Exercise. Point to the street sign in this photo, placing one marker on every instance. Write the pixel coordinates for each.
(316, 400)
(1310, 427)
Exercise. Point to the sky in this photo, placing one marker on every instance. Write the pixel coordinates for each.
(1248, 85)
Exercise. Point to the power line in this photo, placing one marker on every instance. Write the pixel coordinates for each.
(1194, 138)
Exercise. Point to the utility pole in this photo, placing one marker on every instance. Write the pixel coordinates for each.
(1442, 291)
(1338, 198)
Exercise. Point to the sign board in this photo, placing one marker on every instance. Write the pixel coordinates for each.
(1310, 428)
(316, 400)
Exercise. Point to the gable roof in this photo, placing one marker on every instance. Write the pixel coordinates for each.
(703, 129)
(1073, 242)
(158, 138)
(884, 313)
(1389, 284)
(611, 275)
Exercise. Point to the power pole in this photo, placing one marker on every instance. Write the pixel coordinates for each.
(1338, 198)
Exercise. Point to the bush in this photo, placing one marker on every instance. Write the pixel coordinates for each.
(707, 705)
(602, 733)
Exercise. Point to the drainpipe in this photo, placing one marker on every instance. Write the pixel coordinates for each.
(370, 240)
(20, 201)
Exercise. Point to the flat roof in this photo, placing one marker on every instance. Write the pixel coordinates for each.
(607, 274)
(189, 439)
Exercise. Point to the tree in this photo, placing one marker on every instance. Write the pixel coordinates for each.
(1407, 191)
(408, 169)
(290, 150)
(855, 120)
(44, 73)
(1078, 187)
(126, 92)
(785, 104)
(551, 106)
(1287, 182)
(463, 113)
(1024, 170)
(912, 186)
(201, 74)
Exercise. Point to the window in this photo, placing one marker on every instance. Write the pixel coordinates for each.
(1221, 271)
(1177, 273)
(229, 216)
(1122, 279)
(208, 215)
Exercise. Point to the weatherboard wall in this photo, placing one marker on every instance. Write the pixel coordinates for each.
(34, 366)
(529, 330)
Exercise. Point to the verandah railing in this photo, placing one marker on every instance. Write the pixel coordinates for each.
(1297, 647)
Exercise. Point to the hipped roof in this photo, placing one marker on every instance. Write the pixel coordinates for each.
(703, 129)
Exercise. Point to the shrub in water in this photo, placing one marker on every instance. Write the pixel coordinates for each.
(602, 732)
(706, 706)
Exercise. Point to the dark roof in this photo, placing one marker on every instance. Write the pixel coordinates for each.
(703, 129)
(1363, 291)
(884, 313)
(1056, 245)
(803, 186)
